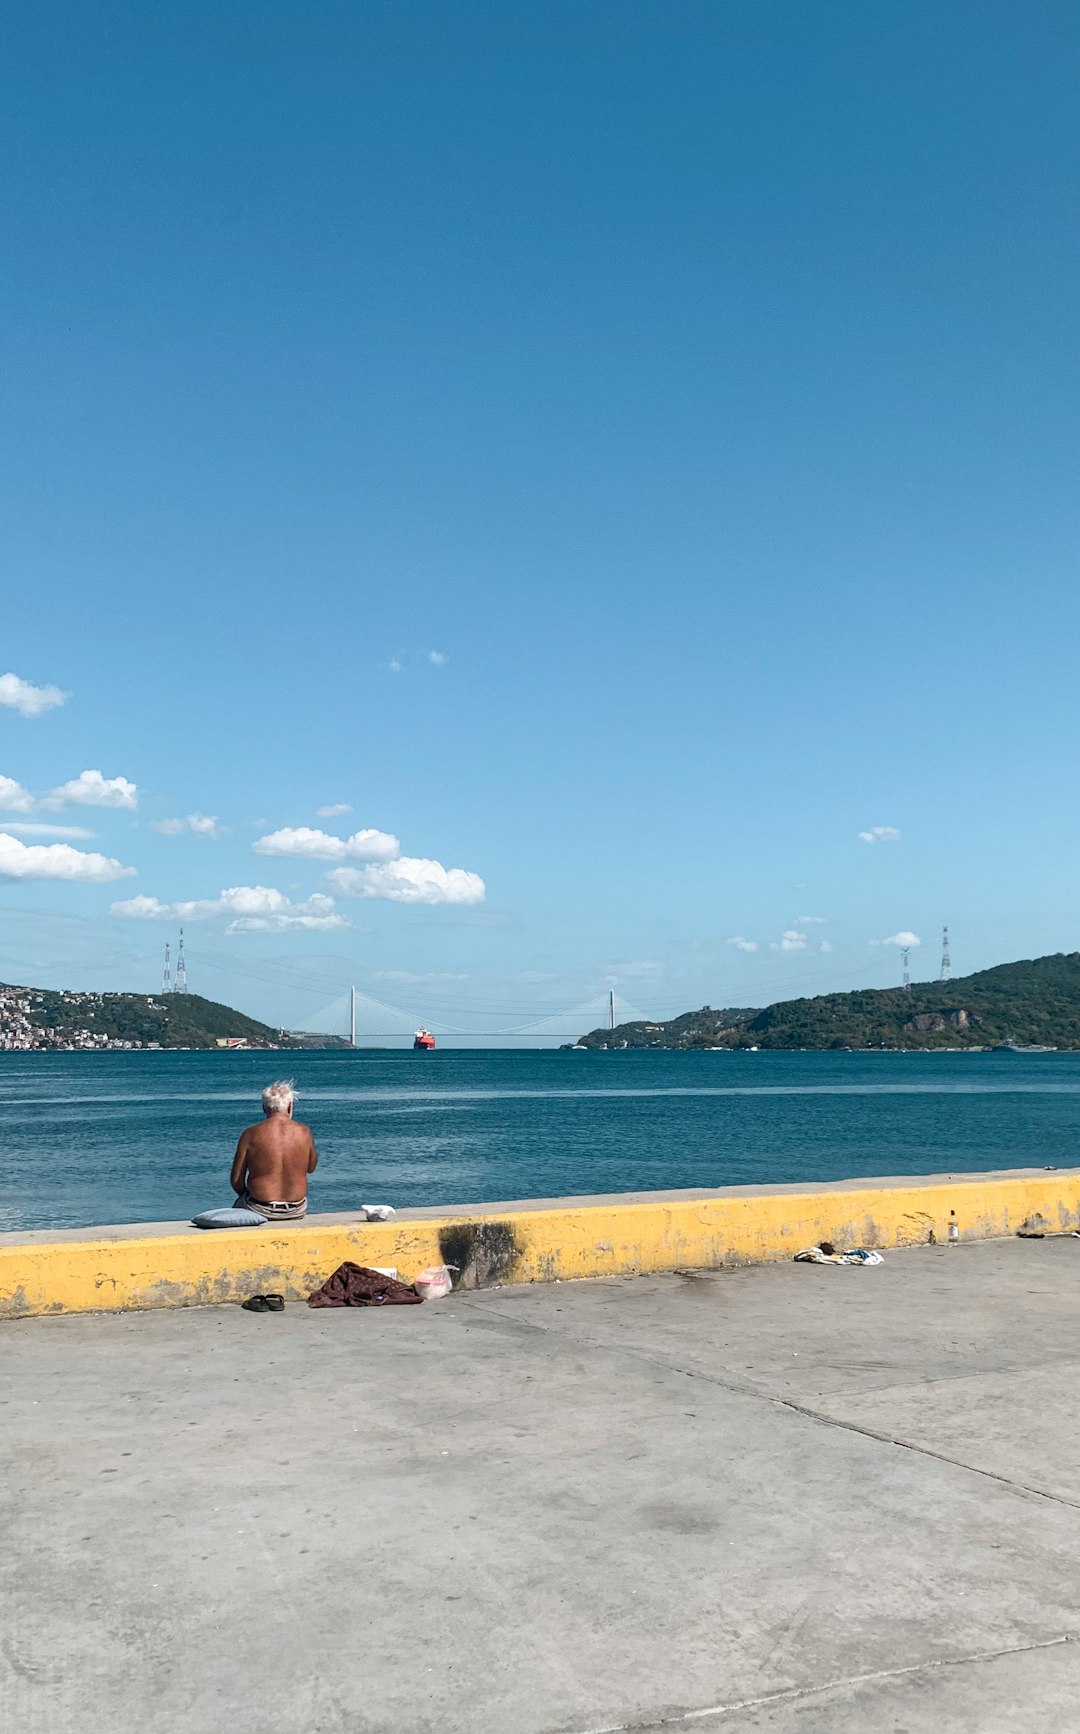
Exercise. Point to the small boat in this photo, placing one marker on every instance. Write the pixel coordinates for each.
(1022, 1048)
(424, 1041)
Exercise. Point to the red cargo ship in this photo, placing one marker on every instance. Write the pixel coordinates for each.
(425, 1040)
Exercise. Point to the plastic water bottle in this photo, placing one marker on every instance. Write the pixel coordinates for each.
(954, 1229)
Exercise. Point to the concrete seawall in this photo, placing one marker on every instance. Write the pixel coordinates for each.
(172, 1265)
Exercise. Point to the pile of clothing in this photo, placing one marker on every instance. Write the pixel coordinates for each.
(826, 1253)
(356, 1285)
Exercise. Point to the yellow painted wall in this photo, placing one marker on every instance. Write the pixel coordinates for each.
(102, 1269)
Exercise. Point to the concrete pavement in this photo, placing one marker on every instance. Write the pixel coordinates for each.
(787, 1498)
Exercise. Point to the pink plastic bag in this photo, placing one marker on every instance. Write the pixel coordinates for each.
(435, 1282)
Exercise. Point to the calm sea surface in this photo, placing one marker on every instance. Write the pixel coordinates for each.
(97, 1138)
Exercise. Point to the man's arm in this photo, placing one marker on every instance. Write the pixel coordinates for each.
(239, 1167)
(313, 1155)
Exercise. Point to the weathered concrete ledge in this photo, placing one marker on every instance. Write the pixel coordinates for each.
(172, 1264)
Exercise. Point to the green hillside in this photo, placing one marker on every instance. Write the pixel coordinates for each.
(696, 1029)
(1034, 1001)
(35, 1018)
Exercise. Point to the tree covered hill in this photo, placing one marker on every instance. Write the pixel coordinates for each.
(695, 1029)
(35, 1018)
(1035, 1001)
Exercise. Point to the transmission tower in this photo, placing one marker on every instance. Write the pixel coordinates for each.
(946, 960)
(166, 986)
(181, 967)
(905, 955)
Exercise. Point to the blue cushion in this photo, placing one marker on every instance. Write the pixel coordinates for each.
(231, 1218)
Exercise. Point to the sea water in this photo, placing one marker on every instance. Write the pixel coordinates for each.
(137, 1137)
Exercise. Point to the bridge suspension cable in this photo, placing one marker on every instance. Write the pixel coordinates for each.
(377, 1018)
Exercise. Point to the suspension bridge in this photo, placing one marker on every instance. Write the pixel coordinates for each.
(361, 1017)
(351, 1013)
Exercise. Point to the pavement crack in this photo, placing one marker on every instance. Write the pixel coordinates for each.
(799, 1694)
(821, 1416)
(923, 1451)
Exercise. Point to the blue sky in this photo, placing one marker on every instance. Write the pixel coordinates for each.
(697, 382)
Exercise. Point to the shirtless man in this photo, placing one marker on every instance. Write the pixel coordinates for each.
(273, 1160)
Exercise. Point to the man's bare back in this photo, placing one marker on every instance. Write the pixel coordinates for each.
(274, 1157)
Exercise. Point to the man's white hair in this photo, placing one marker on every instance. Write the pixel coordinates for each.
(278, 1098)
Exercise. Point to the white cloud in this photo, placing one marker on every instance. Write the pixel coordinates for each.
(27, 699)
(410, 656)
(880, 834)
(409, 880)
(88, 789)
(810, 921)
(193, 825)
(792, 940)
(300, 840)
(825, 945)
(142, 908)
(55, 861)
(637, 969)
(302, 920)
(410, 975)
(311, 845)
(907, 940)
(91, 789)
(254, 908)
(741, 944)
(72, 831)
(14, 798)
(334, 811)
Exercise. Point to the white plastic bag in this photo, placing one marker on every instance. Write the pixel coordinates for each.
(434, 1283)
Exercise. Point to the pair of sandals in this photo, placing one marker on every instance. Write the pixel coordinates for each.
(264, 1303)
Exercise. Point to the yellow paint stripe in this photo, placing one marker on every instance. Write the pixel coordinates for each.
(115, 1269)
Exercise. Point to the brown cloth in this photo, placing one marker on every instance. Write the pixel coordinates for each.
(353, 1285)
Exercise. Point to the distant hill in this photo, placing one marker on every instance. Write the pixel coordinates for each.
(1036, 1001)
(39, 1018)
(695, 1029)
